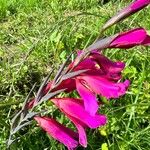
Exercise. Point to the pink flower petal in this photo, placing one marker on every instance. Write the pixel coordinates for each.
(90, 101)
(80, 127)
(112, 69)
(130, 39)
(76, 109)
(58, 131)
(146, 42)
(107, 64)
(105, 87)
(85, 64)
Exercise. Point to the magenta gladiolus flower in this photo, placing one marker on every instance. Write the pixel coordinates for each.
(131, 38)
(59, 132)
(101, 78)
(127, 39)
(74, 110)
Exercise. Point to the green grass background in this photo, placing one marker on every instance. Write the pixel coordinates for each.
(37, 35)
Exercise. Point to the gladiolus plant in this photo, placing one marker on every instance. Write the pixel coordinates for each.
(90, 74)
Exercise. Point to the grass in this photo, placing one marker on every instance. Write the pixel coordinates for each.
(38, 35)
